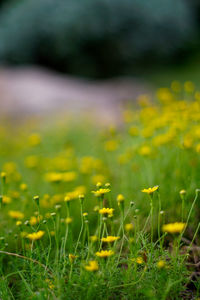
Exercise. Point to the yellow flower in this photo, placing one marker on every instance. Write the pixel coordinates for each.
(35, 235)
(176, 227)
(15, 214)
(50, 284)
(94, 238)
(110, 239)
(161, 264)
(85, 214)
(34, 139)
(35, 220)
(18, 223)
(6, 199)
(101, 192)
(72, 257)
(182, 192)
(106, 211)
(120, 198)
(150, 190)
(129, 227)
(111, 145)
(68, 220)
(145, 150)
(104, 253)
(92, 266)
(139, 260)
(23, 187)
(67, 198)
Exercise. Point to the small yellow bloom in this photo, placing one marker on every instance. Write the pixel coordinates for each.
(92, 266)
(67, 198)
(176, 227)
(6, 200)
(23, 187)
(35, 235)
(50, 284)
(3, 175)
(94, 238)
(85, 214)
(161, 264)
(120, 198)
(129, 227)
(68, 220)
(34, 139)
(106, 211)
(182, 192)
(35, 220)
(104, 253)
(100, 192)
(72, 257)
(18, 223)
(150, 190)
(110, 239)
(139, 260)
(15, 214)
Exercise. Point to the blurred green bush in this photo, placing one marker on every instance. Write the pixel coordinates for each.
(94, 37)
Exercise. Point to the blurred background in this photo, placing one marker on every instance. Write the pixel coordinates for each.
(71, 54)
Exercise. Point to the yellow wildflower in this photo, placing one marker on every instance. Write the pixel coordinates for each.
(104, 253)
(85, 214)
(120, 198)
(92, 266)
(150, 190)
(68, 220)
(111, 145)
(35, 235)
(18, 223)
(35, 220)
(129, 227)
(139, 260)
(6, 200)
(110, 239)
(50, 284)
(106, 211)
(145, 150)
(176, 227)
(72, 257)
(23, 187)
(101, 192)
(34, 139)
(15, 214)
(161, 264)
(94, 238)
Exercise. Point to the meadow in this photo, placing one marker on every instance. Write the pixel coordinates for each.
(103, 212)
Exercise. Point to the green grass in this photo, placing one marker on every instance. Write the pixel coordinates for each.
(157, 144)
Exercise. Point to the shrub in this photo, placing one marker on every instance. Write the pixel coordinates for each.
(93, 37)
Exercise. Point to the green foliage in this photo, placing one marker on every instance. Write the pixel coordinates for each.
(94, 37)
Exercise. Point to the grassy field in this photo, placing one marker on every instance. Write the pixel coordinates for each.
(96, 212)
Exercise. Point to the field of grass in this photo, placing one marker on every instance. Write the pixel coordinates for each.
(103, 212)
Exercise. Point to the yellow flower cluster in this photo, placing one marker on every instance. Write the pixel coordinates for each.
(176, 227)
(35, 235)
(110, 239)
(105, 253)
(92, 266)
